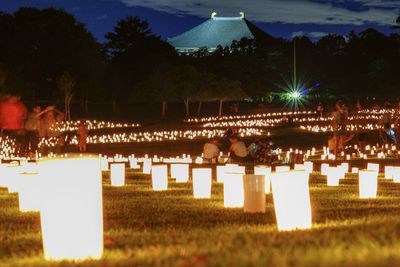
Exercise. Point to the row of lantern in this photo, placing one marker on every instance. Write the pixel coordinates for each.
(157, 136)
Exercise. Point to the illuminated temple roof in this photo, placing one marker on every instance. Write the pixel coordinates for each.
(217, 31)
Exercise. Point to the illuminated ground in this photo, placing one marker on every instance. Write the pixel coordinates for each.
(146, 228)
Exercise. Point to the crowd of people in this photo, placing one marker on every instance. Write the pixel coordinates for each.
(341, 136)
(27, 128)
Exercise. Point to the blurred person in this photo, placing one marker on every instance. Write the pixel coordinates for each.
(211, 150)
(12, 116)
(238, 149)
(82, 136)
(320, 110)
(387, 133)
(339, 124)
(264, 153)
(32, 126)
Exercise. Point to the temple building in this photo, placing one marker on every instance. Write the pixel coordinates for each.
(217, 31)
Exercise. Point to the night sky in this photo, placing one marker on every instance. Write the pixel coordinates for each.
(280, 18)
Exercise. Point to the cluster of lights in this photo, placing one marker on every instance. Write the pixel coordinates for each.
(157, 136)
(70, 126)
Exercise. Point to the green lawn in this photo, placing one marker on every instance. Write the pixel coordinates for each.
(146, 228)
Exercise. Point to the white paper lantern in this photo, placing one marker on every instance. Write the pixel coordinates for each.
(368, 183)
(309, 166)
(180, 172)
(396, 174)
(354, 170)
(389, 172)
(133, 163)
(291, 197)
(345, 167)
(282, 168)
(202, 181)
(266, 171)
(233, 190)
(71, 212)
(324, 168)
(147, 166)
(299, 167)
(117, 174)
(222, 170)
(159, 177)
(254, 193)
(373, 167)
(333, 176)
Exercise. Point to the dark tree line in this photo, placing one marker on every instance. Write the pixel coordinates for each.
(47, 56)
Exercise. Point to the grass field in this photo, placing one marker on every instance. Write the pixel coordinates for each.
(146, 228)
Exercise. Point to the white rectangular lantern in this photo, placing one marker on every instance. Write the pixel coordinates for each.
(266, 171)
(11, 175)
(291, 196)
(233, 190)
(202, 182)
(396, 174)
(180, 172)
(345, 167)
(282, 168)
(222, 170)
(309, 166)
(159, 177)
(389, 172)
(333, 176)
(368, 183)
(133, 163)
(147, 166)
(324, 168)
(117, 174)
(373, 167)
(254, 193)
(354, 170)
(71, 212)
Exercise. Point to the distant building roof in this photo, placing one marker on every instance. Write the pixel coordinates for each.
(217, 31)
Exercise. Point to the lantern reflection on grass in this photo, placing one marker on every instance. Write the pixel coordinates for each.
(202, 182)
(71, 212)
(266, 171)
(180, 172)
(117, 174)
(159, 177)
(254, 193)
(233, 190)
(291, 197)
(368, 183)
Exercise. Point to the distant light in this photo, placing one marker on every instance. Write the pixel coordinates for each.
(295, 95)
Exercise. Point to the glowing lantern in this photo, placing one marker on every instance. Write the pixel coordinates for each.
(146, 166)
(233, 190)
(71, 212)
(202, 183)
(373, 167)
(29, 192)
(117, 174)
(133, 163)
(368, 183)
(396, 174)
(222, 170)
(266, 171)
(345, 167)
(333, 176)
(104, 164)
(299, 167)
(389, 172)
(159, 177)
(324, 168)
(254, 193)
(291, 196)
(309, 166)
(282, 168)
(180, 172)
(354, 170)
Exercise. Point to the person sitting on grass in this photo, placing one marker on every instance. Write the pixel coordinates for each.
(211, 150)
(238, 149)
